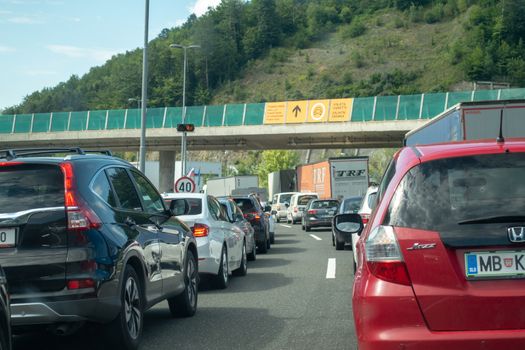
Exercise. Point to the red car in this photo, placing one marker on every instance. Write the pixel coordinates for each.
(441, 263)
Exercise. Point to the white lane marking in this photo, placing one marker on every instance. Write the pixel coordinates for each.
(285, 225)
(330, 269)
(315, 237)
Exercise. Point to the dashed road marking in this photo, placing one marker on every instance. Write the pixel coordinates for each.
(330, 269)
(286, 225)
(315, 237)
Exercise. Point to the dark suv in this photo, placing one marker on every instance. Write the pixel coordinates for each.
(87, 237)
(255, 214)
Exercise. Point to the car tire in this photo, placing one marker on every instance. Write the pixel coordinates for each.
(223, 275)
(339, 245)
(185, 304)
(124, 332)
(307, 228)
(302, 225)
(243, 269)
(277, 219)
(4, 344)
(253, 255)
(262, 247)
(268, 243)
(333, 240)
(354, 266)
(272, 237)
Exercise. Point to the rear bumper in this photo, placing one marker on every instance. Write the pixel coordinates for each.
(318, 222)
(95, 310)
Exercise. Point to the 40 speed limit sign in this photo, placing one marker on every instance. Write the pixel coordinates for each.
(184, 185)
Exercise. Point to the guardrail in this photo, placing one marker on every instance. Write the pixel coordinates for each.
(364, 109)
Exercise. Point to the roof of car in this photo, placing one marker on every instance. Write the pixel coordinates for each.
(172, 195)
(466, 148)
(58, 160)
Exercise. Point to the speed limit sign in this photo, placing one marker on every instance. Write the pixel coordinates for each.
(184, 185)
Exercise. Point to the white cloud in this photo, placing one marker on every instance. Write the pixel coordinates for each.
(24, 20)
(201, 6)
(5, 12)
(7, 49)
(97, 54)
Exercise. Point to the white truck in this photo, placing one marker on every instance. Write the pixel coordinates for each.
(472, 121)
(226, 186)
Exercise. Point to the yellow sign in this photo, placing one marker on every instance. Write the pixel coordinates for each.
(318, 111)
(340, 110)
(296, 111)
(274, 113)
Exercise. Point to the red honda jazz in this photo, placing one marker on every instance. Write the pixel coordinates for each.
(441, 263)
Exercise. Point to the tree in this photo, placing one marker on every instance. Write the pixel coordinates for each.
(378, 161)
(275, 160)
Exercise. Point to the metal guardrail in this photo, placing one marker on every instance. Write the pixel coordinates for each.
(364, 109)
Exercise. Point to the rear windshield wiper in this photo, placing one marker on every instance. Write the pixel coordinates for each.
(494, 220)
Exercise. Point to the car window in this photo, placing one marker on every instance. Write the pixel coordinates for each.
(324, 204)
(372, 199)
(214, 208)
(285, 198)
(303, 200)
(351, 205)
(103, 189)
(238, 213)
(385, 181)
(195, 205)
(124, 189)
(246, 204)
(152, 200)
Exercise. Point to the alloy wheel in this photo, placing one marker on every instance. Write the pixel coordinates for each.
(132, 308)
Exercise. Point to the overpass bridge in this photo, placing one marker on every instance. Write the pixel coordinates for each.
(362, 122)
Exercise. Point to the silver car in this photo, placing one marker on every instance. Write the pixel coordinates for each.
(221, 246)
(236, 217)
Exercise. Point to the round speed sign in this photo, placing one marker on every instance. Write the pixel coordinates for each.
(184, 185)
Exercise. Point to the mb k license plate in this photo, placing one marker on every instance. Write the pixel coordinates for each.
(495, 264)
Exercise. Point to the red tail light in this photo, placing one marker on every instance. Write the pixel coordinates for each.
(81, 283)
(200, 230)
(365, 218)
(80, 216)
(295, 210)
(252, 216)
(312, 211)
(10, 163)
(383, 256)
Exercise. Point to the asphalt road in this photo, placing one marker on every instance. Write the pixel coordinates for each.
(286, 301)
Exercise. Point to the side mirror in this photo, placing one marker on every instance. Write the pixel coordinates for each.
(286, 204)
(274, 212)
(179, 206)
(348, 223)
(267, 209)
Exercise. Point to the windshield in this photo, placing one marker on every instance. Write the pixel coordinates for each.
(285, 198)
(324, 205)
(194, 203)
(303, 200)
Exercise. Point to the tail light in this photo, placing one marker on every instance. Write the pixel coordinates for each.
(80, 217)
(312, 211)
(200, 230)
(295, 210)
(365, 218)
(81, 283)
(383, 256)
(10, 163)
(252, 216)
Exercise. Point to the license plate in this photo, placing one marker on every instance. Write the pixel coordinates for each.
(495, 264)
(7, 237)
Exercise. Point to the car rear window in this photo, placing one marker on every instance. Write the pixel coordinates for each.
(447, 194)
(245, 204)
(351, 205)
(30, 186)
(194, 203)
(324, 204)
(303, 200)
(285, 198)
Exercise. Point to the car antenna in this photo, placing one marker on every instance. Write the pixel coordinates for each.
(500, 138)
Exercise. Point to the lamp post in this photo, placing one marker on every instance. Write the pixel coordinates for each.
(142, 149)
(183, 143)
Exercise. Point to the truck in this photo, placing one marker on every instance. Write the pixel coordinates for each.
(472, 121)
(225, 186)
(334, 178)
(281, 181)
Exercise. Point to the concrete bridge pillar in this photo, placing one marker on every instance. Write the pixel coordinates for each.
(166, 171)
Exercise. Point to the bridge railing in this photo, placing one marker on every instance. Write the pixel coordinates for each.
(363, 109)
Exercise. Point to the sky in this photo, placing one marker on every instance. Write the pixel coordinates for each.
(44, 42)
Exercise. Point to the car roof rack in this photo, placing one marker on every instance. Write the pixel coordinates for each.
(14, 153)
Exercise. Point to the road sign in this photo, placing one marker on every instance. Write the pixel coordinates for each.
(274, 113)
(296, 111)
(340, 110)
(318, 111)
(184, 185)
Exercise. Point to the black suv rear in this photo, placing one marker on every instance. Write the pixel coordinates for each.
(87, 237)
(254, 213)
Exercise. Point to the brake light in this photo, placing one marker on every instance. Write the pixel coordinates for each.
(383, 256)
(312, 211)
(80, 216)
(81, 283)
(295, 210)
(200, 230)
(252, 216)
(365, 218)
(10, 163)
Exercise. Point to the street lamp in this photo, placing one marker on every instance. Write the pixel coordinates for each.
(142, 148)
(183, 144)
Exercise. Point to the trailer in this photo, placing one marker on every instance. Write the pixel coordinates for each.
(281, 181)
(225, 186)
(335, 177)
(472, 121)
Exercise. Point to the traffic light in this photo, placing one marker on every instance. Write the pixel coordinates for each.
(185, 127)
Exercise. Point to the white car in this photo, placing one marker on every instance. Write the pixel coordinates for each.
(364, 211)
(221, 246)
(297, 205)
(279, 202)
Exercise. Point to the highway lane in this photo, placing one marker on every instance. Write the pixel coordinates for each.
(298, 296)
